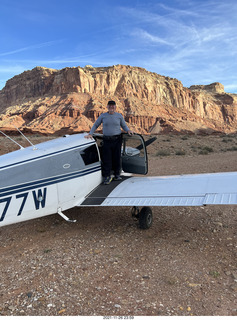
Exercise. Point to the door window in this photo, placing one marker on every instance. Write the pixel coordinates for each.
(134, 157)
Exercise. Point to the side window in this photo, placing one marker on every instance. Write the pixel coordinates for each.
(90, 155)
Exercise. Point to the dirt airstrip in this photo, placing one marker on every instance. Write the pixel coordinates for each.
(103, 264)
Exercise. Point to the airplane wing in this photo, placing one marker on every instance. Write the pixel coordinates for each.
(180, 190)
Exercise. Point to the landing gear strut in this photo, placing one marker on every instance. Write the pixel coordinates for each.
(144, 216)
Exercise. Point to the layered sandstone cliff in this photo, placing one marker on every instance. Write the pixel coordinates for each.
(70, 100)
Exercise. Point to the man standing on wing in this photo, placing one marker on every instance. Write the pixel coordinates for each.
(112, 124)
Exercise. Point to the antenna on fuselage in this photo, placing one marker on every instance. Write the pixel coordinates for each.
(34, 147)
(11, 139)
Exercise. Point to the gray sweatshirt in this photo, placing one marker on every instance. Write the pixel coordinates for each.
(111, 124)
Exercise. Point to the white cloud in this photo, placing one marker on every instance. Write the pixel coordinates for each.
(196, 44)
(231, 87)
(11, 69)
(36, 46)
(142, 34)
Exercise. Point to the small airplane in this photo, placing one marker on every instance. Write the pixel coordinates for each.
(62, 173)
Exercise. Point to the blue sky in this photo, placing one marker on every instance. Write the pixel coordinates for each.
(194, 41)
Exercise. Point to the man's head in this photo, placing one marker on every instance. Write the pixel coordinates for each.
(111, 106)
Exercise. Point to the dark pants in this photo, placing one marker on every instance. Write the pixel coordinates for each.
(111, 156)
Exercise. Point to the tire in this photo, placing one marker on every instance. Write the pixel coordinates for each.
(145, 218)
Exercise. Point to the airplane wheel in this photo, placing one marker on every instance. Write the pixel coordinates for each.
(145, 218)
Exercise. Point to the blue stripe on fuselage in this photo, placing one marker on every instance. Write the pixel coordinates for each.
(46, 182)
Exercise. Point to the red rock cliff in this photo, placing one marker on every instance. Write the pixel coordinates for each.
(71, 99)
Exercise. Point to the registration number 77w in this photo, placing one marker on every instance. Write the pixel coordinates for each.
(39, 197)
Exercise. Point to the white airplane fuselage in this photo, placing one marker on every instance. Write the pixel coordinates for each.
(66, 172)
(50, 178)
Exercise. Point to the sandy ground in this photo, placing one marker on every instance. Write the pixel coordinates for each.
(103, 264)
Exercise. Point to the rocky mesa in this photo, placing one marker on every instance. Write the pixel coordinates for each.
(70, 100)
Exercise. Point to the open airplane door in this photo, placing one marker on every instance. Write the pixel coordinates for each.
(134, 155)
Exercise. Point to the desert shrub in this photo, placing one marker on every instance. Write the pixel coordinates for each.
(226, 140)
(214, 273)
(180, 152)
(206, 150)
(203, 152)
(234, 148)
(163, 153)
(184, 138)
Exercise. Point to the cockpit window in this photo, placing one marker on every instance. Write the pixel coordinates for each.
(90, 154)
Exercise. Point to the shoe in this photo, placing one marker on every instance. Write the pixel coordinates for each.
(117, 178)
(107, 180)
